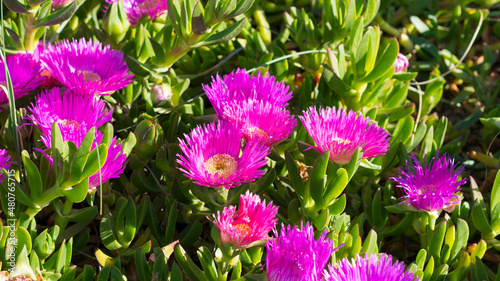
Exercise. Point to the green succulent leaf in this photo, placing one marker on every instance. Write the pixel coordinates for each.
(59, 16)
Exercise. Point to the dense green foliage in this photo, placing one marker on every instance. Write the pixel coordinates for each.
(151, 222)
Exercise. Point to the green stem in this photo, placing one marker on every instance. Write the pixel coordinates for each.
(29, 36)
(425, 221)
(60, 221)
(387, 27)
(229, 258)
(173, 56)
(51, 194)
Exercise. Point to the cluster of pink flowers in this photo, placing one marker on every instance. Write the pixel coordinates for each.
(369, 268)
(295, 255)
(253, 104)
(85, 70)
(245, 105)
(253, 108)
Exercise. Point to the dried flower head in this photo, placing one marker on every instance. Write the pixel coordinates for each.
(239, 86)
(249, 225)
(342, 133)
(260, 120)
(87, 67)
(295, 255)
(432, 187)
(24, 72)
(369, 268)
(212, 156)
(75, 115)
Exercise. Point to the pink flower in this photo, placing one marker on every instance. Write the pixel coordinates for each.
(24, 71)
(342, 132)
(75, 115)
(369, 268)
(431, 187)
(114, 165)
(87, 67)
(4, 162)
(401, 63)
(295, 255)
(240, 86)
(212, 156)
(249, 225)
(137, 9)
(260, 121)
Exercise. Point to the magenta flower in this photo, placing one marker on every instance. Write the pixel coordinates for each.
(212, 156)
(4, 162)
(260, 120)
(87, 67)
(49, 81)
(75, 115)
(432, 187)
(401, 63)
(114, 165)
(249, 225)
(136, 9)
(342, 133)
(295, 255)
(239, 86)
(24, 72)
(369, 268)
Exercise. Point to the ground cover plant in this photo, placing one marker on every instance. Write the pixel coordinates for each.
(249, 140)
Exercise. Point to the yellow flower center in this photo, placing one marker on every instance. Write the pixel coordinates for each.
(243, 228)
(426, 188)
(45, 73)
(66, 123)
(222, 164)
(254, 131)
(89, 75)
(341, 141)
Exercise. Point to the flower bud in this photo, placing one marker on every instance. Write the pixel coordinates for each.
(115, 23)
(161, 92)
(149, 136)
(405, 41)
(22, 272)
(401, 63)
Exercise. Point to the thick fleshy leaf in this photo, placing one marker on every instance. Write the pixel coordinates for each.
(59, 16)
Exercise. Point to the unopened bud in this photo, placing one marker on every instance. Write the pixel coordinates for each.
(161, 92)
(401, 63)
(149, 136)
(115, 23)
